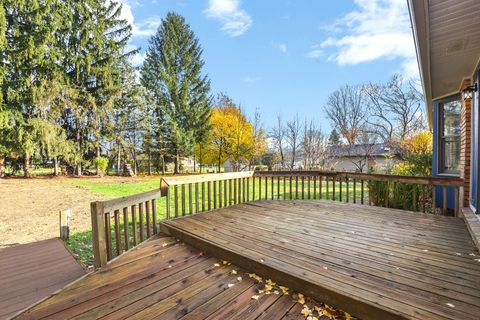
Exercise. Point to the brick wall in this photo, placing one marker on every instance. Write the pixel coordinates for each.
(465, 146)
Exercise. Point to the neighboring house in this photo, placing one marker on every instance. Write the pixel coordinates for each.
(447, 40)
(376, 157)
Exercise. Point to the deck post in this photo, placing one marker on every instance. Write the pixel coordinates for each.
(98, 234)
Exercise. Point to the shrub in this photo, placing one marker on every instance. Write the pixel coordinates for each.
(101, 163)
(417, 161)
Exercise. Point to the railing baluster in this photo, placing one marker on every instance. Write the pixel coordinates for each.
(333, 180)
(259, 188)
(140, 221)
(167, 204)
(290, 186)
(214, 194)
(248, 189)
(117, 232)
(190, 199)
(424, 199)
(387, 195)
(230, 192)
(362, 192)
(370, 195)
(147, 215)
(245, 189)
(296, 187)
(108, 236)
(327, 195)
(175, 200)
(203, 196)
(354, 190)
(133, 209)
(404, 189)
(225, 193)
(209, 192)
(308, 186)
(220, 195)
(394, 195)
(414, 192)
(347, 195)
(272, 186)
(234, 191)
(320, 185)
(303, 188)
(197, 207)
(183, 200)
(278, 187)
(266, 188)
(314, 187)
(340, 189)
(154, 215)
(126, 230)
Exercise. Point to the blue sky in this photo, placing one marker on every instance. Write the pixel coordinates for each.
(285, 57)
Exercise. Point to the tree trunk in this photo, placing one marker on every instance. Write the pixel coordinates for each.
(149, 162)
(119, 162)
(79, 169)
(2, 166)
(194, 163)
(163, 164)
(55, 166)
(176, 163)
(26, 165)
(201, 158)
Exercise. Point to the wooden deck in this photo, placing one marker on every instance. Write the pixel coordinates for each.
(375, 263)
(31, 272)
(164, 279)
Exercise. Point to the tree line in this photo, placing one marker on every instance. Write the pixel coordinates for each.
(362, 116)
(70, 95)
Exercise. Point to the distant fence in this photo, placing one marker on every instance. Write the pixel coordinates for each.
(119, 224)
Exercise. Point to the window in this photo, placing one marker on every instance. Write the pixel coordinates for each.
(449, 130)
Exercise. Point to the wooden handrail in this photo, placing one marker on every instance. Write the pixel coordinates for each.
(191, 194)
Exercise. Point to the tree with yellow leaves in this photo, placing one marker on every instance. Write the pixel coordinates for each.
(231, 137)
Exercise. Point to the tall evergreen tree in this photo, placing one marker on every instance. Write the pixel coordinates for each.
(334, 139)
(172, 73)
(3, 112)
(29, 61)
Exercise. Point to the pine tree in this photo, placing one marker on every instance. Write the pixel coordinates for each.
(334, 139)
(4, 114)
(172, 73)
(29, 61)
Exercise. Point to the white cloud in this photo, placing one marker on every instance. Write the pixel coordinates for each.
(283, 47)
(235, 21)
(144, 28)
(378, 29)
(250, 79)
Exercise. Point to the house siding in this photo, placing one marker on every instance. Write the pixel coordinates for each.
(465, 146)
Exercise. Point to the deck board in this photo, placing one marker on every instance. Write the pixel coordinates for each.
(392, 263)
(31, 272)
(163, 278)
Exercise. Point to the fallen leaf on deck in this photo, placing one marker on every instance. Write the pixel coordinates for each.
(164, 245)
(216, 264)
(306, 311)
(451, 305)
(230, 285)
(299, 298)
(255, 297)
(234, 272)
(239, 279)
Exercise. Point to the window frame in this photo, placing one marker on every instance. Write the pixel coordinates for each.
(441, 136)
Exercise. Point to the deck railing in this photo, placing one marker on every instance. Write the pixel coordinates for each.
(120, 224)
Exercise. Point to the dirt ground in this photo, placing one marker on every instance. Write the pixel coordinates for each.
(29, 209)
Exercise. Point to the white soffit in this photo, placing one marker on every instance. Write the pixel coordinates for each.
(454, 43)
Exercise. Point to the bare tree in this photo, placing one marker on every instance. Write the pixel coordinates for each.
(362, 153)
(395, 109)
(346, 111)
(293, 138)
(314, 145)
(278, 136)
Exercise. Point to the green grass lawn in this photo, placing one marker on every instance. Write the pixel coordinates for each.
(81, 243)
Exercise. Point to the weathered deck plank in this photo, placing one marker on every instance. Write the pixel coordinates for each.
(163, 279)
(31, 272)
(375, 262)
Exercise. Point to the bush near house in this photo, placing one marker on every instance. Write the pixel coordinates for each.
(416, 153)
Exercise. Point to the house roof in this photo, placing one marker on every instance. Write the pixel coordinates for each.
(447, 41)
(377, 149)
